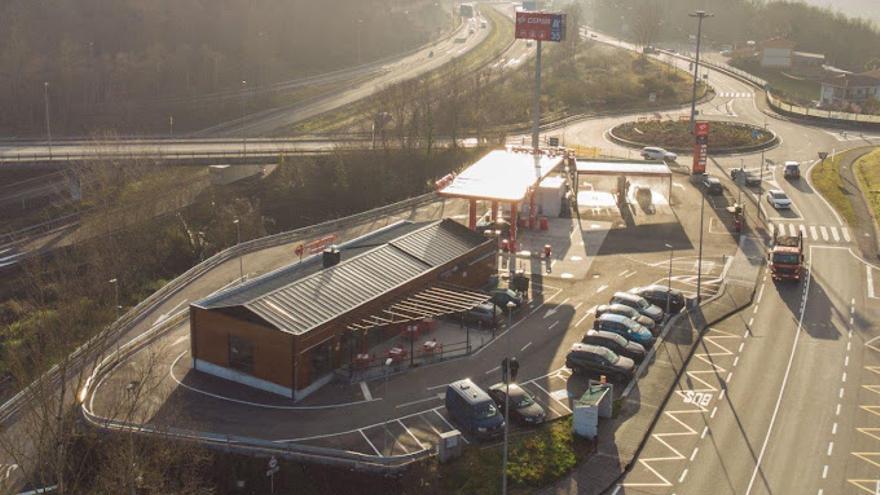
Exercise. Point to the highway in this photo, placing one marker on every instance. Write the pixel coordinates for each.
(787, 390)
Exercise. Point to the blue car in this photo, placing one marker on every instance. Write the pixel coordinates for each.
(626, 327)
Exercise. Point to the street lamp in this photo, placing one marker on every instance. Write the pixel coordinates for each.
(243, 133)
(240, 262)
(386, 367)
(700, 15)
(510, 307)
(700, 255)
(115, 285)
(669, 278)
(48, 124)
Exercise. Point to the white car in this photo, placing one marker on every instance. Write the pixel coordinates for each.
(778, 199)
(654, 153)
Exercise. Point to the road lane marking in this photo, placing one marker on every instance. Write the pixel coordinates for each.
(870, 282)
(694, 454)
(714, 410)
(760, 294)
(834, 428)
(830, 448)
(792, 353)
(525, 347)
(601, 288)
(751, 322)
(493, 370)
(845, 232)
(834, 233)
(741, 345)
(703, 435)
(366, 391)
(735, 361)
(813, 234)
(370, 443)
(420, 444)
(824, 232)
(578, 305)
(837, 410)
(683, 475)
(825, 471)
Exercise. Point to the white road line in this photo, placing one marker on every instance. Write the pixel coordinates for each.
(419, 401)
(813, 234)
(840, 395)
(622, 273)
(791, 230)
(736, 360)
(837, 410)
(705, 430)
(834, 428)
(420, 444)
(870, 282)
(845, 232)
(714, 410)
(722, 393)
(741, 345)
(843, 378)
(751, 321)
(366, 391)
(782, 387)
(582, 320)
(846, 361)
(760, 294)
(729, 376)
(824, 232)
(525, 347)
(553, 325)
(578, 305)
(630, 274)
(601, 288)
(830, 447)
(825, 471)
(694, 454)
(683, 475)
(493, 370)
(834, 234)
(370, 443)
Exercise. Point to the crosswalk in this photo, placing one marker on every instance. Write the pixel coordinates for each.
(816, 233)
(733, 94)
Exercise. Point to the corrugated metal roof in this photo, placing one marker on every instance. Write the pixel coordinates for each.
(306, 301)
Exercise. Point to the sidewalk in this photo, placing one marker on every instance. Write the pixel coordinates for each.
(622, 437)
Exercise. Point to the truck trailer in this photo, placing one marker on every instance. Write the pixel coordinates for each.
(786, 257)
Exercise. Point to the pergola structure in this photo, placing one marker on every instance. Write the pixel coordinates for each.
(432, 302)
(511, 175)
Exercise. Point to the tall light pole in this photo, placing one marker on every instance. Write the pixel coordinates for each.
(115, 284)
(669, 278)
(240, 262)
(243, 133)
(386, 367)
(700, 255)
(536, 110)
(48, 122)
(700, 15)
(510, 307)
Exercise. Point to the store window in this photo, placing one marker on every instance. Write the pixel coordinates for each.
(241, 354)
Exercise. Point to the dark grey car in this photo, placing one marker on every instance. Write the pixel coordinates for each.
(617, 343)
(631, 313)
(597, 359)
(523, 407)
(638, 303)
(656, 295)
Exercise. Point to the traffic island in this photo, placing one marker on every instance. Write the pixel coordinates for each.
(675, 135)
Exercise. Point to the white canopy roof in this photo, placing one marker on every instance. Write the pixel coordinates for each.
(643, 168)
(502, 175)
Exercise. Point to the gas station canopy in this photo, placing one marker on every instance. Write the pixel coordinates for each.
(503, 175)
(631, 168)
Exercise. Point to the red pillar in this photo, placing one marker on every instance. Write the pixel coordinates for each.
(494, 211)
(472, 214)
(514, 220)
(533, 215)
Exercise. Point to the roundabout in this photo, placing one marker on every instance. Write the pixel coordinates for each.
(675, 135)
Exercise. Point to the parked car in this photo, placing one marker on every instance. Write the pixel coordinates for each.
(655, 153)
(625, 327)
(791, 170)
(631, 313)
(523, 407)
(639, 304)
(471, 408)
(502, 296)
(778, 199)
(593, 358)
(712, 185)
(486, 224)
(617, 343)
(656, 294)
(749, 177)
(645, 199)
(486, 315)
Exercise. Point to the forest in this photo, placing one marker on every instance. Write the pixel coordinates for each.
(130, 65)
(814, 29)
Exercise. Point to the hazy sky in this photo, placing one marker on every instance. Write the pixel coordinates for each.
(852, 8)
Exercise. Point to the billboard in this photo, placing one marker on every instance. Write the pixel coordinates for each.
(701, 147)
(541, 26)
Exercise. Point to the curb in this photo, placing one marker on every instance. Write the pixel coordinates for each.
(712, 151)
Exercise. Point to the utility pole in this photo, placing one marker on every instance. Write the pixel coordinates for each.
(700, 255)
(700, 15)
(669, 279)
(243, 134)
(48, 123)
(536, 110)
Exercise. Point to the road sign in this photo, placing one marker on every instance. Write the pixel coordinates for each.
(701, 147)
(541, 26)
(823, 155)
(273, 463)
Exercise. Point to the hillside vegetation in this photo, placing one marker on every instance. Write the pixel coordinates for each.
(115, 64)
(848, 43)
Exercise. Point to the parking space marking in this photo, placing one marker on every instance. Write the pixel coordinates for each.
(419, 401)
(420, 444)
(366, 391)
(525, 347)
(563, 404)
(370, 443)
(870, 281)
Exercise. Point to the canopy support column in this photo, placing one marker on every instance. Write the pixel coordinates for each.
(494, 211)
(472, 214)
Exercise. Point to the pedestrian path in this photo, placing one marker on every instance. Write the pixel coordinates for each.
(817, 233)
(729, 94)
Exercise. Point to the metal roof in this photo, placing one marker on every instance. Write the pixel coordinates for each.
(306, 301)
(644, 168)
(502, 175)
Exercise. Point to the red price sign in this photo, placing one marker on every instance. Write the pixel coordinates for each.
(701, 147)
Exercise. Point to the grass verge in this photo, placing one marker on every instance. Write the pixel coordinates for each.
(536, 459)
(867, 171)
(677, 134)
(826, 179)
